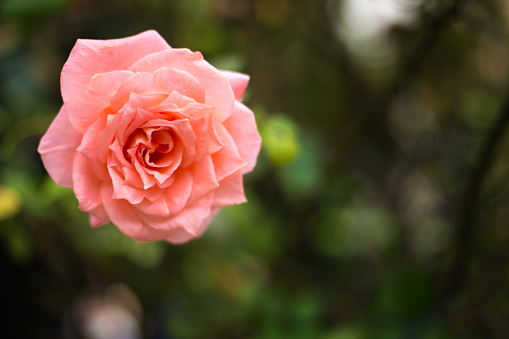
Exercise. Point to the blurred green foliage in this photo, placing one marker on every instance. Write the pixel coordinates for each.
(280, 140)
(351, 230)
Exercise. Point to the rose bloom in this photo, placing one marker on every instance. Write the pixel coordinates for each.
(151, 138)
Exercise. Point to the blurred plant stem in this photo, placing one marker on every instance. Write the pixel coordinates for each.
(469, 208)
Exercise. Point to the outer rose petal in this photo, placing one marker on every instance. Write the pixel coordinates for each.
(121, 213)
(204, 178)
(95, 222)
(88, 148)
(230, 191)
(83, 111)
(238, 81)
(173, 200)
(189, 220)
(57, 155)
(227, 160)
(217, 87)
(165, 80)
(98, 217)
(86, 185)
(142, 227)
(180, 236)
(242, 127)
(91, 57)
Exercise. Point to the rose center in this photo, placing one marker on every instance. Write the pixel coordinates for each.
(151, 147)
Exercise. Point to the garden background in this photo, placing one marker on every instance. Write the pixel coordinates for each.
(379, 207)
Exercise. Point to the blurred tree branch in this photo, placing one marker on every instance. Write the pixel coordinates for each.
(469, 206)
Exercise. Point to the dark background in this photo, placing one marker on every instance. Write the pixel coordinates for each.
(379, 207)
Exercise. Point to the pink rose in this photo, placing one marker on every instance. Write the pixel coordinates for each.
(151, 138)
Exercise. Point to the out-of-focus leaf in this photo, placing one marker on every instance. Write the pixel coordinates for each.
(280, 142)
(10, 202)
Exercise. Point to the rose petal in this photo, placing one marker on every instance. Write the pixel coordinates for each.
(227, 160)
(122, 191)
(177, 195)
(163, 81)
(238, 82)
(94, 222)
(147, 178)
(174, 102)
(174, 79)
(121, 213)
(149, 233)
(218, 89)
(208, 220)
(204, 177)
(230, 191)
(178, 228)
(132, 117)
(86, 184)
(91, 57)
(58, 148)
(201, 128)
(84, 110)
(180, 236)
(88, 148)
(106, 137)
(241, 125)
(162, 175)
(185, 136)
(173, 200)
(98, 217)
(190, 218)
(202, 122)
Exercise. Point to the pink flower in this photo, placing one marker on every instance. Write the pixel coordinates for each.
(151, 138)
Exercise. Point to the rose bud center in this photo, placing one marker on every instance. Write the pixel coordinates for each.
(150, 146)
